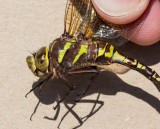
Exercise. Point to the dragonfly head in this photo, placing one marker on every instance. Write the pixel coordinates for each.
(38, 63)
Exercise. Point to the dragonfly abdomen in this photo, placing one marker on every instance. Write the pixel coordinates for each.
(105, 53)
(138, 66)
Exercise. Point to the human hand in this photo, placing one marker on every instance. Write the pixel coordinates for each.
(127, 11)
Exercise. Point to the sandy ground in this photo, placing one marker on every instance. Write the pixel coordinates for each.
(127, 101)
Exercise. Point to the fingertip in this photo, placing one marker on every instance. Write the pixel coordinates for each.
(149, 33)
(122, 11)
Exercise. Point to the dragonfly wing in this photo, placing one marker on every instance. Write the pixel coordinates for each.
(81, 18)
(73, 17)
(116, 68)
(109, 34)
(119, 34)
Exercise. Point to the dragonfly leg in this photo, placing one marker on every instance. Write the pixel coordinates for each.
(83, 71)
(90, 70)
(136, 65)
(69, 85)
(88, 87)
(73, 87)
(41, 83)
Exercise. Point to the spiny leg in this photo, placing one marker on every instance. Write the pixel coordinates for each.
(136, 65)
(69, 85)
(88, 87)
(41, 84)
(88, 70)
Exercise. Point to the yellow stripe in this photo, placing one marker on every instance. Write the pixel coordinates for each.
(95, 42)
(144, 67)
(46, 57)
(153, 70)
(73, 41)
(155, 76)
(158, 79)
(135, 62)
(83, 50)
(140, 66)
(101, 51)
(110, 53)
(62, 52)
(117, 57)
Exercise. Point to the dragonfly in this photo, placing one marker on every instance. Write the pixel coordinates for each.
(84, 47)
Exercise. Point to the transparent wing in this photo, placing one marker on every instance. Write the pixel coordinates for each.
(73, 17)
(116, 68)
(110, 34)
(81, 18)
(119, 34)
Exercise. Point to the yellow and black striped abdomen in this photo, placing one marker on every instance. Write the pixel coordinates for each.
(138, 66)
(107, 53)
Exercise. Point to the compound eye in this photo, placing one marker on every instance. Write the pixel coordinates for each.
(31, 63)
(41, 59)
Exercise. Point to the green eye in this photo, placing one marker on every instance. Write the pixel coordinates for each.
(41, 59)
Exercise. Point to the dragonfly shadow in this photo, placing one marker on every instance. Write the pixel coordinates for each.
(107, 83)
(114, 85)
(148, 55)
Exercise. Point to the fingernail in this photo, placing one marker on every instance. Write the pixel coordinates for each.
(118, 7)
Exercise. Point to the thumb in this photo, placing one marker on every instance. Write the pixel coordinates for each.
(120, 11)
